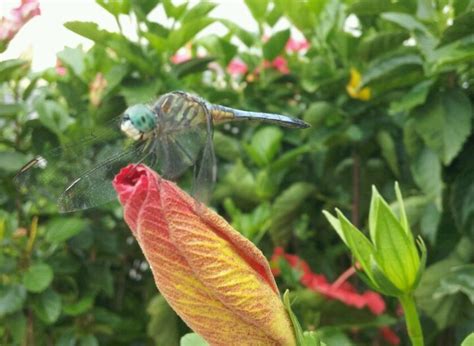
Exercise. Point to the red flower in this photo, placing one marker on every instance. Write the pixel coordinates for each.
(390, 336)
(19, 16)
(179, 58)
(344, 292)
(237, 67)
(293, 45)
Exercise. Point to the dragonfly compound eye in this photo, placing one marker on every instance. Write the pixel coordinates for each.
(141, 117)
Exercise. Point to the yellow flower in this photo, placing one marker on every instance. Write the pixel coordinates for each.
(216, 280)
(353, 88)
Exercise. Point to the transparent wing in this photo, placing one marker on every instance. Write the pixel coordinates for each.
(47, 175)
(206, 171)
(95, 186)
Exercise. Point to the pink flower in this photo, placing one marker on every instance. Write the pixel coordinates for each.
(280, 64)
(19, 16)
(179, 58)
(237, 67)
(293, 45)
(60, 69)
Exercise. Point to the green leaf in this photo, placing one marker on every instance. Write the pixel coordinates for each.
(115, 7)
(79, 307)
(246, 37)
(190, 66)
(461, 27)
(192, 339)
(406, 21)
(12, 161)
(8, 68)
(59, 230)
(54, 116)
(11, 299)
(444, 123)
(226, 147)
(47, 306)
(201, 10)
(140, 91)
(143, 7)
(264, 145)
(416, 96)
(462, 200)
(38, 277)
(88, 30)
(389, 151)
(275, 44)
(179, 37)
(172, 10)
(469, 340)
(161, 314)
(458, 280)
(384, 66)
(88, 340)
(286, 208)
(426, 170)
(74, 58)
(258, 8)
(451, 55)
(381, 43)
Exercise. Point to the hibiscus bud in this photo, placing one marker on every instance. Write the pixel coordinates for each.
(217, 281)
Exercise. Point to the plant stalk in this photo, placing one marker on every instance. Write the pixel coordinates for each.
(412, 320)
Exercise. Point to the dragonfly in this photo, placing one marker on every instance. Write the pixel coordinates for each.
(171, 135)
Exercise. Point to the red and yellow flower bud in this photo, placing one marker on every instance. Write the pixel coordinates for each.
(217, 281)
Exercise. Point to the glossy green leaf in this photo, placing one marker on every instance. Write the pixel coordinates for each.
(285, 209)
(426, 170)
(444, 123)
(389, 151)
(38, 277)
(190, 66)
(461, 27)
(161, 315)
(11, 299)
(258, 8)
(54, 116)
(275, 44)
(264, 145)
(458, 280)
(416, 96)
(47, 306)
(179, 37)
(59, 230)
(225, 146)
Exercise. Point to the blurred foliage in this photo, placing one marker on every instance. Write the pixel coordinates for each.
(80, 279)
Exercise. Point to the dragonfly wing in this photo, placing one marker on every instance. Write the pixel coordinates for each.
(205, 173)
(47, 174)
(95, 186)
(178, 151)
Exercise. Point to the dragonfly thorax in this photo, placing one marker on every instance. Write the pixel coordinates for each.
(138, 121)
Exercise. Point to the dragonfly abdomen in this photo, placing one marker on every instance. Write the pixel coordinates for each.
(222, 114)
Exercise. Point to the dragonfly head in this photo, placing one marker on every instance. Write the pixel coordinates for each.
(138, 121)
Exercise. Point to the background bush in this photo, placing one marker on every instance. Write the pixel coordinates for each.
(388, 89)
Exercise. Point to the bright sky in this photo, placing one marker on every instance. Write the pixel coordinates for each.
(45, 35)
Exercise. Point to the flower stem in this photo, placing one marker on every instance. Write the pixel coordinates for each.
(412, 320)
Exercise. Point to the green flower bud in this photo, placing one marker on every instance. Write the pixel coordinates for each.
(390, 260)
